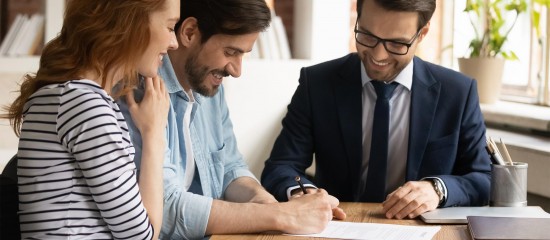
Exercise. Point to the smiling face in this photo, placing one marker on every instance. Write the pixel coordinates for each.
(220, 56)
(163, 38)
(390, 25)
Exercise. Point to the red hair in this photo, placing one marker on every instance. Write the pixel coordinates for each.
(97, 36)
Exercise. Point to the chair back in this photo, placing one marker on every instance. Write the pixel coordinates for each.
(9, 201)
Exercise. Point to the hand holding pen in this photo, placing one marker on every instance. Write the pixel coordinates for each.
(310, 213)
(337, 212)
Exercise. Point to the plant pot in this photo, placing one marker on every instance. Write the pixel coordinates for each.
(488, 74)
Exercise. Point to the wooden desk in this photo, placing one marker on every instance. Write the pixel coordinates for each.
(363, 212)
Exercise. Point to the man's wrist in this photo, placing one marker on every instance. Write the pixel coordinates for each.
(440, 189)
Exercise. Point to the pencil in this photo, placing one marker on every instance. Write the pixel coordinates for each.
(506, 154)
(297, 178)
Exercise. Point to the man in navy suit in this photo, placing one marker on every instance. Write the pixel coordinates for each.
(436, 137)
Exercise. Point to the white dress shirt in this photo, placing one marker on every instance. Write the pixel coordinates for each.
(398, 143)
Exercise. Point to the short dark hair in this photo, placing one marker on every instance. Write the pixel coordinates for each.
(424, 8)
(231, 17)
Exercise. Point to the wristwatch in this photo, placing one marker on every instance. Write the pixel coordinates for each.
(438, 187)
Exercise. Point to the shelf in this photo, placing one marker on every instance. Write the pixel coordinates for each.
(53, 12)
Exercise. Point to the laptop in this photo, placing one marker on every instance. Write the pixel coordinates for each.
(458, 215)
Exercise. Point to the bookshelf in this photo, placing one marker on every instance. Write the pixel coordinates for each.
(53, 13)
(315, 30)
(311, 34)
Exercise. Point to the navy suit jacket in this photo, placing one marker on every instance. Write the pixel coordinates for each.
(446, 136)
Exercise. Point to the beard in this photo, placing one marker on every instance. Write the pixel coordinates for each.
(197, 74)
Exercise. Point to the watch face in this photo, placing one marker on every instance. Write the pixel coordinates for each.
(438, 189)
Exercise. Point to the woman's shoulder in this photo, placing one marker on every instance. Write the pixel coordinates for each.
(83, 86)
(70, 87)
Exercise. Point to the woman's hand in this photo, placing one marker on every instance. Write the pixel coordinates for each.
(151, 114)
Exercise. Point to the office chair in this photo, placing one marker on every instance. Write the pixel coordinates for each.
(9, 202)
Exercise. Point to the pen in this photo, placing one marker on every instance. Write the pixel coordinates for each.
(493, 151)
(491, 155)
(495, 158)
(297, 178)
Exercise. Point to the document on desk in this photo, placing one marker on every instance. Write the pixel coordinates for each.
(375, 231)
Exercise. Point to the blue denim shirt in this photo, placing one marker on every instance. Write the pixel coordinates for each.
(218, 161)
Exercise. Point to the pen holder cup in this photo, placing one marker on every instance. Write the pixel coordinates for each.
(509, 185)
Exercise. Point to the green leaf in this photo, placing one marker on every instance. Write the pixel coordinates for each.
(493, 21)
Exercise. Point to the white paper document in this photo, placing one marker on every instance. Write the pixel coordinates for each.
(375, 231)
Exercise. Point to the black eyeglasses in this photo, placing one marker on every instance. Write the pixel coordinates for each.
(395, 47)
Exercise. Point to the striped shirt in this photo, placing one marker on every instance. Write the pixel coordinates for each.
(77, 178)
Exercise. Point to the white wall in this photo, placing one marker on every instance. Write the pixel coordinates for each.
(257, 103)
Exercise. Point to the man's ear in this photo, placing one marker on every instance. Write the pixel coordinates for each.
(188, 33)
(424, 32)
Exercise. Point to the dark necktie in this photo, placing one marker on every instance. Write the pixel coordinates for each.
(375, 190)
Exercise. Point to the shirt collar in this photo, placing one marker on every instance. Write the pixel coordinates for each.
(404, 78)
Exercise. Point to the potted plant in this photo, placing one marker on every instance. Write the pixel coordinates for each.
(492, 21)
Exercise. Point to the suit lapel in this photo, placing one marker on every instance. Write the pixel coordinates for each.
(424, 99)
(348, 90)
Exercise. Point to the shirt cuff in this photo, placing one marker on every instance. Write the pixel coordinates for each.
(289, 190)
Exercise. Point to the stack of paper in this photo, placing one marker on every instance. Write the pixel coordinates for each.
(375, 231)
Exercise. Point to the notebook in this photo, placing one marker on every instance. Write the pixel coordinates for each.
(508, 228)
(458, 214)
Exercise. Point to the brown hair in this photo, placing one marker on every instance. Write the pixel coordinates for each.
(96, 36)
(424, 8)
